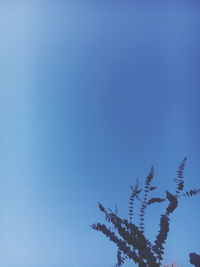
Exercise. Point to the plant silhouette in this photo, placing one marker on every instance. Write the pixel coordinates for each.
(195, 259)
(130, 239)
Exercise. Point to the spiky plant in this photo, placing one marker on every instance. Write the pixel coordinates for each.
(129, 238)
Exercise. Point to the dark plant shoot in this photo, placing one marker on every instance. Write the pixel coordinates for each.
(130, 239)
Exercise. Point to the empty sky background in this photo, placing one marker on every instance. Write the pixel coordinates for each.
(92, 93)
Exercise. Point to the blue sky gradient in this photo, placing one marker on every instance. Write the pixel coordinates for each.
(91, 95)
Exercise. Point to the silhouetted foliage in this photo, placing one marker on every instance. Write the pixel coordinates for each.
(154, 200)
(134, 245)
(192, 193)
(145, 198)
(195, 259)
(135, 192)
(179, 180)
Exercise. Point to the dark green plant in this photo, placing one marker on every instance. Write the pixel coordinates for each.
(129, 238)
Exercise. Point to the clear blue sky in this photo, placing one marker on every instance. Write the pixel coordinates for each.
(92, 94)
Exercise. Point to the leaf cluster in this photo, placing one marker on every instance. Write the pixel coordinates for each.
(130, 238)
